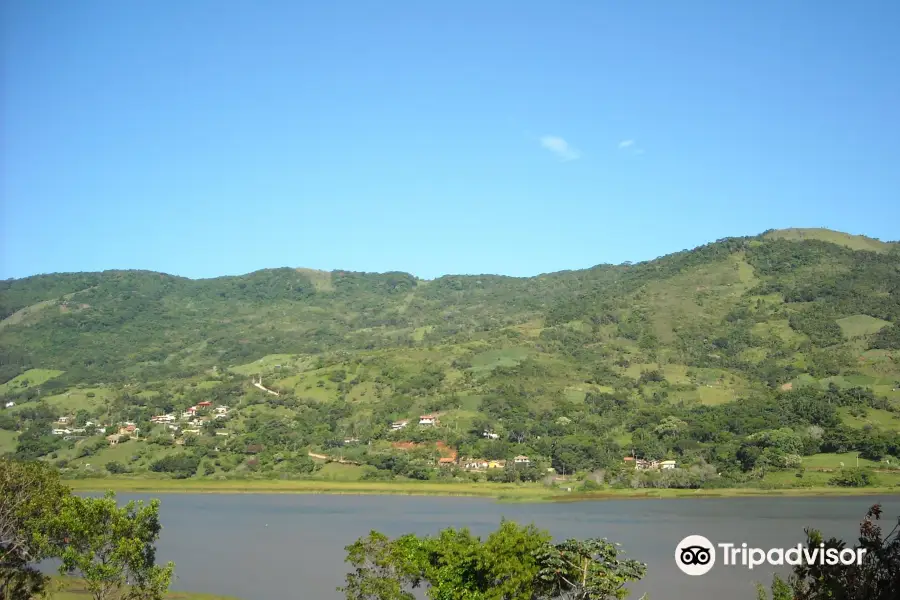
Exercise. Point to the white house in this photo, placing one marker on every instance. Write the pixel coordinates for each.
(222, 410)
(163, 419)
(491, 435)
(63, 420)
(522, 460)
(398, 425)
(60, 431)
(475, 464)
(427, 420)
(667, 464)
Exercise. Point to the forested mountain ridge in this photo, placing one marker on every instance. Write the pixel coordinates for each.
(117, 323)
(754, 318)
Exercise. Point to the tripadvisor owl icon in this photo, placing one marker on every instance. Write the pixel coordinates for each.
(695, 555)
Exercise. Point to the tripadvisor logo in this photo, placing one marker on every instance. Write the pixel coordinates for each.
(696, 555)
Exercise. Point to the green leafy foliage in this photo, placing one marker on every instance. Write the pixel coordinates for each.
(514, 562)
(30, 496)
(888, 338)
(876, 578)
(852, 478)
(113, 548)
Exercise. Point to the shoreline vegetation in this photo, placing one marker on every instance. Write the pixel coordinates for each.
(502, 492)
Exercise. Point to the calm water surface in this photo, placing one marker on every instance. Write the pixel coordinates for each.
(283, 547)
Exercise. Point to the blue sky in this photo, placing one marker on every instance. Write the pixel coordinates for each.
(213, 138)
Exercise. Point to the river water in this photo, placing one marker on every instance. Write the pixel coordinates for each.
(284, 546)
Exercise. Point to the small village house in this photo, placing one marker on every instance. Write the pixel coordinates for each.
(398, 425)
(427, 420)
(129, 430)
(642, 464)
(475, 464)
(522, 460)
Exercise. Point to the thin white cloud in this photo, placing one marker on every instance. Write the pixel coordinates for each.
(560, 147)
(631, 147)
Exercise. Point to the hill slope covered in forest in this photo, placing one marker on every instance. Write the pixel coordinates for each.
(619, 353)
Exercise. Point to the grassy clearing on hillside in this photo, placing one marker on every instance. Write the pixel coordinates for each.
(847, 381)
(30, 378)
(268, 364)
(707, 292)
(859, 325)
(888, 391)
(419, 333)
(81, 399)
(817, 482)
(711, 394)
(575, 395)
(208, 384)
(314, 385)
(70, 588)
(505, 357)
(8, 441)
(874, 416)
(470, 401)
(337, 472)
(855, 242)
(832, 460)
(22, 315)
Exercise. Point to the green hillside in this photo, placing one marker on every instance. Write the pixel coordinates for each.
(747, 357)
(854, 242)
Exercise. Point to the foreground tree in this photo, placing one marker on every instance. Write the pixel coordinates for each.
(31, 494)
(877, 578)
(113, 548)
(513, 563)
